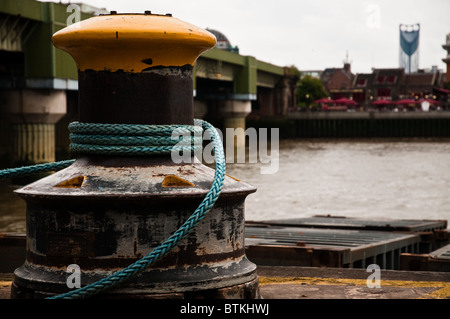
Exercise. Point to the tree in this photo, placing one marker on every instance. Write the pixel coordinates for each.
(309, 89)
(294, 71)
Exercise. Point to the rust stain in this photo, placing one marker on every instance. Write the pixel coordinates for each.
(185, 171)
(233, 178)
(148, 61)
(175, 181)
(75, 182)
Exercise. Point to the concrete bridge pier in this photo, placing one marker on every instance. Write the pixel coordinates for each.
(33, 114)
(234, 113)
(200, 109)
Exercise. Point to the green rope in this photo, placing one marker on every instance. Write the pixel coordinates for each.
(132, 139)
(120, 139)
(33, 169)
(103, 132)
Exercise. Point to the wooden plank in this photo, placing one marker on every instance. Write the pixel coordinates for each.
(12, 251)
(340, 222)
(275, 255)
(5, 285)
(438, 260)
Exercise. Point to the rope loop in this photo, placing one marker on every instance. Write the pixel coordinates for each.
(134, 139)
(130, 129)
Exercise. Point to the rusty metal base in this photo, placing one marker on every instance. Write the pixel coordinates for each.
(103, 214)
(248, 290)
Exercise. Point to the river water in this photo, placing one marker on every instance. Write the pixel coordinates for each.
(364, 179)
(375, 179)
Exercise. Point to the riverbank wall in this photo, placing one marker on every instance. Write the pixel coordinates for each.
(359, 124)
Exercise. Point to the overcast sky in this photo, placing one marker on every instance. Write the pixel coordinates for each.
(312, 34)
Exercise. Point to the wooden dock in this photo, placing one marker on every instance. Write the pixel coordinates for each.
(300, 283)
(325, 241)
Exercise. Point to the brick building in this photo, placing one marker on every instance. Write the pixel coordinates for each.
(338, 81)
(422, 84)
(394, 84)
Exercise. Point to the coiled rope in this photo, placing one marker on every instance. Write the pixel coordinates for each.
(132, 139)
(137, 140)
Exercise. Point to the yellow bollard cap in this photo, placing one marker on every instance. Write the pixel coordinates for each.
(133, 42)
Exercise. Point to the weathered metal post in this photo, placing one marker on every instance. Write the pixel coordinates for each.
(104, 212)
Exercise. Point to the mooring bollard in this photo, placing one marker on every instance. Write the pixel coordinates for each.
(107, 211)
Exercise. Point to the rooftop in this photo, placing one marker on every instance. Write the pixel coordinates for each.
(222, 41)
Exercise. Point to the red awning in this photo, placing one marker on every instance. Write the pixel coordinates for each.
(431, 101)
(442, 90)
(407, 101)
(324, 100)
(382, 102)
(345, 101)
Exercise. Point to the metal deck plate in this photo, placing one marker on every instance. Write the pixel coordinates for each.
(442, 253)
(303, 246)
(326, 221)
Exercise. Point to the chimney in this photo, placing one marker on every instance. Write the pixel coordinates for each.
(347, 64)
(347, 67)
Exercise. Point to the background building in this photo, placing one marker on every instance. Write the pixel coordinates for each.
(223, 42)
(338, 81)
(446, 47)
